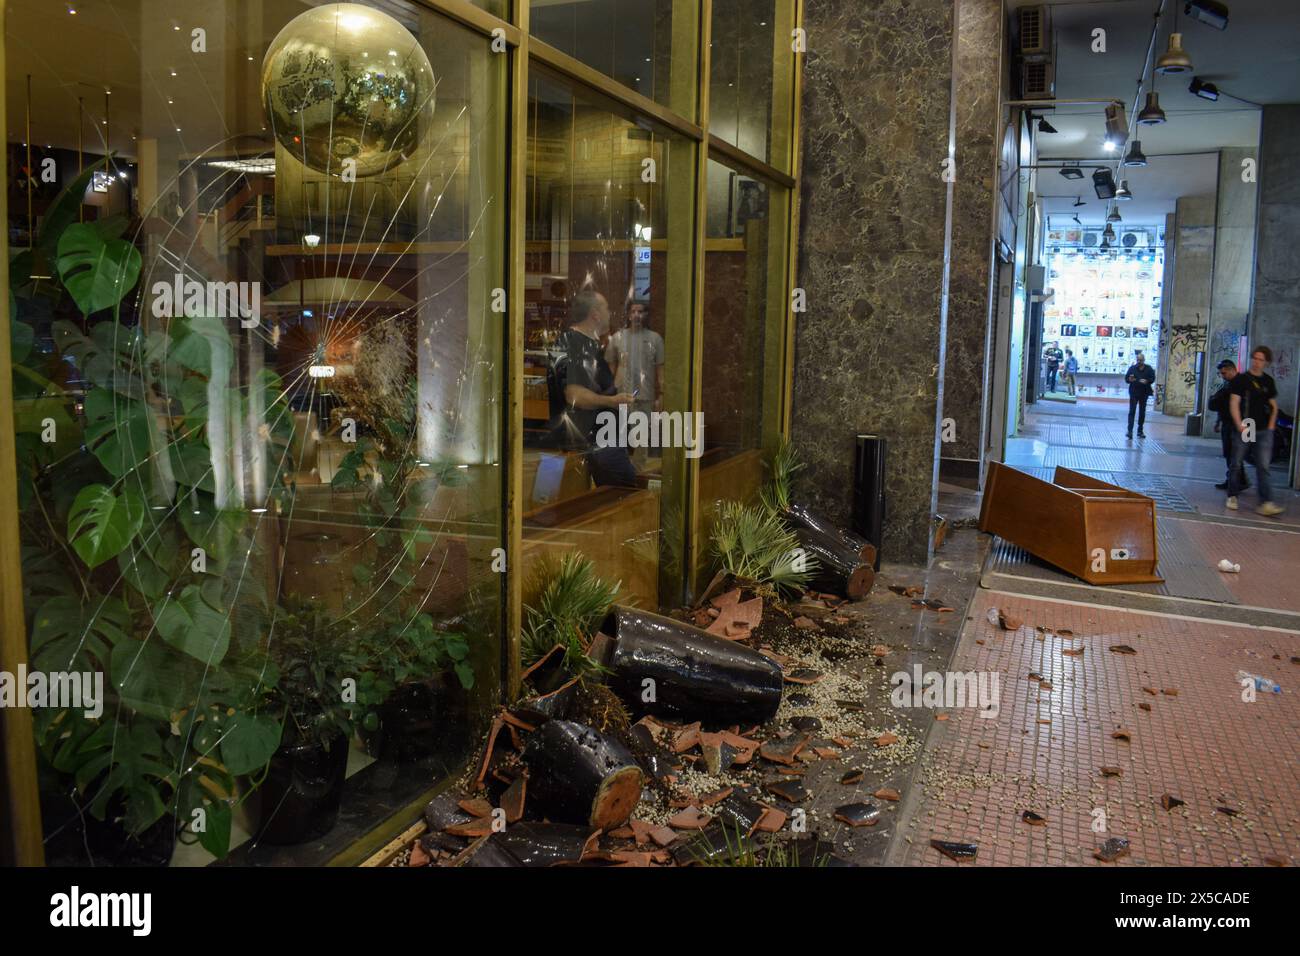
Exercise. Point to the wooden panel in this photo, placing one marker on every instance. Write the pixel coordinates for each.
(737, 478)
(1129, 525)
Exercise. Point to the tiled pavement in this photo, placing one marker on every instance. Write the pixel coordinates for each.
(1044, 750)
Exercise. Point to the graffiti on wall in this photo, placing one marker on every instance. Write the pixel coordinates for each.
(1223, 345)
(1180, 376)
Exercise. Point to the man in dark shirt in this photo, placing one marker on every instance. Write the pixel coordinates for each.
(585, 384)
(1053, 355)
(1140, 377)
(1253, 406)
(1225, 428)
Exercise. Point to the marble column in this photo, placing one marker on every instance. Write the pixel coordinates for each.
(1189, 301)
(877, 127)
(1275, 321)
(1234, 261)
(970, 284)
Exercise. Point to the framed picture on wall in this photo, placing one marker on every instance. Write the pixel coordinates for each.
(1103, 331)
(1068, 330)
(748, 201)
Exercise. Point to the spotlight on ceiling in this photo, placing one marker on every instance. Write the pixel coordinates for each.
(1123, 194)
(1135, 155)
(1044, 126)
(1113, 215)
(1108, 145)
(1152, 114)
(1109, 231)
(1206, 91)
(1104, 183)
(1072, 172)
(1116, 124)
(1078, 201)
(1174, 59)
(1210, 12)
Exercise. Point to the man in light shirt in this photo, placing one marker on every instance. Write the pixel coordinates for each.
(636, 355)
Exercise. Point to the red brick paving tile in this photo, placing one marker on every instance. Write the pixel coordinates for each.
(1204, 746)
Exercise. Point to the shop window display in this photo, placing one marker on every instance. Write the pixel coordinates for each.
(259, 420)
(1105, 307)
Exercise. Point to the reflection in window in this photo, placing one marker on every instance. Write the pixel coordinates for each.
(741, 74)
(630, 41)
(269, 509)
(603, 303)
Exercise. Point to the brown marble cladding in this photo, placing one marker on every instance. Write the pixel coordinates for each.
(979, 42)
(877, 89)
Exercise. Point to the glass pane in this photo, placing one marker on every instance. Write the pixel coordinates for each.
(608, 306)
(259, 417)
(744, 311)
(741, 75)
(635, 42)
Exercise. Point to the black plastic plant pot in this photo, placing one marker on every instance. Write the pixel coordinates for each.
(696, 676)
(302, 791)
(79, 839)
(421, 720)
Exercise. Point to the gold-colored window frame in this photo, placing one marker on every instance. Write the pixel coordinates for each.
(692, 19)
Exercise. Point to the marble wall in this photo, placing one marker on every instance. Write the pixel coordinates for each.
(872, 255)
(970, 283)
(1275, 321)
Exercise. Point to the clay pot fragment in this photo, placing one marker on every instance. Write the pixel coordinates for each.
(961, 852)
(1112, 850)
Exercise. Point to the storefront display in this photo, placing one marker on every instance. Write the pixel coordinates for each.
(1105, 307)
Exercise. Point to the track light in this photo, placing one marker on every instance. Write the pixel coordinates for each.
(1044, 126)
(1123, 194)
(1072, 172)
(1135, 155)
(1104, 184)
(1078, 201)
(1174, 59)
(1210, 12)
(1152, 114)
(1206, 91)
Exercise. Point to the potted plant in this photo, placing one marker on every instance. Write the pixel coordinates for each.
(303, 788)
(130, 568)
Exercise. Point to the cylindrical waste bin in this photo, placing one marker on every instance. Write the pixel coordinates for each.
(869, 491)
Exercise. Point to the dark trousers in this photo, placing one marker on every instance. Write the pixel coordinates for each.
(611, 466)
(1138, 405)
(1226, 431)
(1051, 378)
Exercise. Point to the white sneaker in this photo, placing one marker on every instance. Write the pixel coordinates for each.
(1232, 503)
(1269, 508)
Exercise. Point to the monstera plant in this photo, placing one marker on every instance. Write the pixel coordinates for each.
(131, 567)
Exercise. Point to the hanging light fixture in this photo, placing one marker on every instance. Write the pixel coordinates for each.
(1175, 59)
(1152, 114)
(1135, 155)
(1113, 215)
(1108, 232)
(1116, 126)
(1123, 194)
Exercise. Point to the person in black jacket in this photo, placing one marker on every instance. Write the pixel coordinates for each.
(1223, 424)
(1140, 377)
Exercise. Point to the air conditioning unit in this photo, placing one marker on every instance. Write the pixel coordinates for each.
(1035, 33)
(1037, 80)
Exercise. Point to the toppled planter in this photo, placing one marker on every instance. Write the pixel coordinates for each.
(695, 674)
(843, 540)
(580, 776)
(841, 569)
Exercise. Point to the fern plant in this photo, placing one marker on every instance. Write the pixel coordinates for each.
(570, 607)
(755, 547)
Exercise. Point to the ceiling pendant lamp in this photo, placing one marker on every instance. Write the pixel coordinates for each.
(1109, 232)
(1175, 59)
(1123, 194)
(1135, 155)
(1152, 114)
(1113, 215)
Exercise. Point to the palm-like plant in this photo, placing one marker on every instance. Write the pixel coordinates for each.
(570, 607)
(755, 547)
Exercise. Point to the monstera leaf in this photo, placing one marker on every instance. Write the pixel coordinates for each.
(101, 524)
(97, 272)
